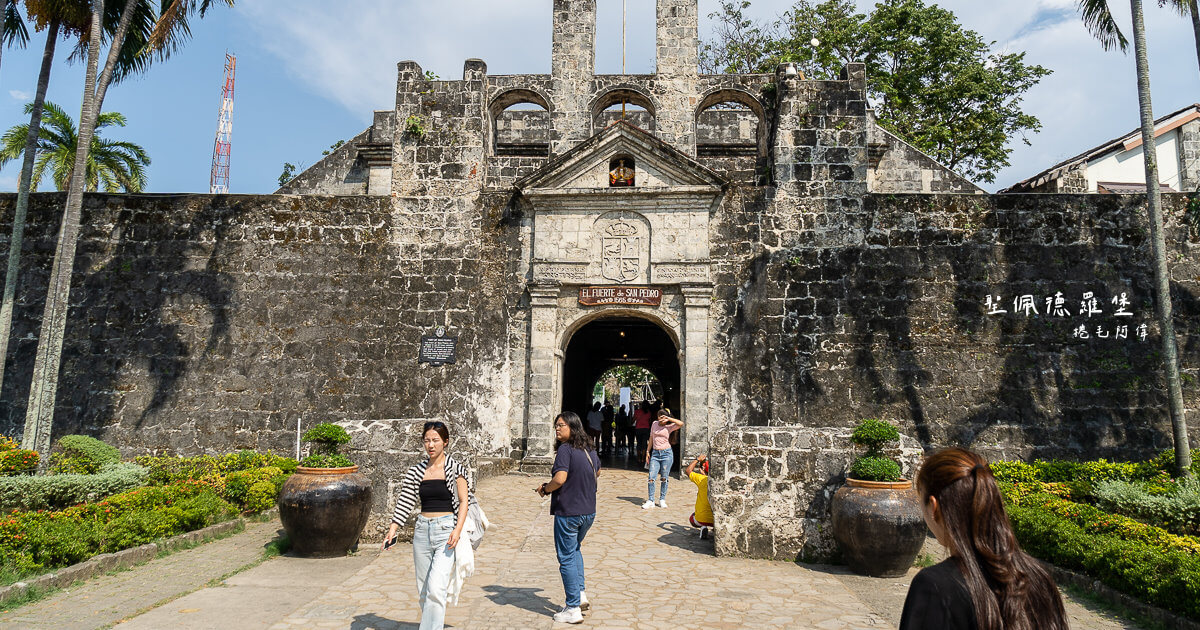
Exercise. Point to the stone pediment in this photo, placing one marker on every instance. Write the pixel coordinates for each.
(660, 167)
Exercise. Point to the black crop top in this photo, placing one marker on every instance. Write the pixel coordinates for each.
(435, 496)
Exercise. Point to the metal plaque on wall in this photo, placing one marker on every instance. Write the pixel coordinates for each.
(625, 295)
(438, 349)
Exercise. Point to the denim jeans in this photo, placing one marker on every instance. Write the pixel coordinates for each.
(568, 536)
(660, 462)
(434, 563)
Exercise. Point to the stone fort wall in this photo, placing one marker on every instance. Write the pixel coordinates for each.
(212, 323)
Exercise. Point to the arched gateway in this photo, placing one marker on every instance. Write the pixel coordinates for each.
(627, 254)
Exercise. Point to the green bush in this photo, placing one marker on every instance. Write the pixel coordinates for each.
(1165, 577)
(169, 469)
(326, 461)
(58, 491)
(873, 434)
(254, 490)
(875, 469)
(326, 437)
(82, 455)
(1176, 510)
(874, 466)
(1155, 470)
(38, 541)
(18, 462)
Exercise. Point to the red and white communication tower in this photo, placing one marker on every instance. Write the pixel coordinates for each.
(218, 183)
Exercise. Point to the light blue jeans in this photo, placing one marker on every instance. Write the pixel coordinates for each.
(660, 462)
(434, 563)
(568, 536)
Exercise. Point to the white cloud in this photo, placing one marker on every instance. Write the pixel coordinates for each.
(348, 51)
(19, 95)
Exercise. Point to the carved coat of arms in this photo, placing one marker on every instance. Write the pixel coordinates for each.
(621, 252)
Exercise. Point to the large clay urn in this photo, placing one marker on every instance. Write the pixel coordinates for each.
(324, 510)
(878, 526)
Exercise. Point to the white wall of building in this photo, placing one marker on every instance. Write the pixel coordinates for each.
(1127, 166)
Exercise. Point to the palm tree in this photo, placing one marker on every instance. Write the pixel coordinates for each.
(1187, 8)
(12, 29)
(1099, 20)
(119, 166)
(153, 38)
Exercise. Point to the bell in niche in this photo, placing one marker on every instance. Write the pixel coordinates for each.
(619, 174)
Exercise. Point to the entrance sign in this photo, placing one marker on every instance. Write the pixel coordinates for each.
(644, 296)
(437, 349)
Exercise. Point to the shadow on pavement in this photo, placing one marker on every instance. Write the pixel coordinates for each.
(634, 500)
(375, 622)
(686, 538)
(526, 598)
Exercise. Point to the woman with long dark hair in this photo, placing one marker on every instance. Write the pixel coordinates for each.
(443, 488)
(572, 492)
(988, 583)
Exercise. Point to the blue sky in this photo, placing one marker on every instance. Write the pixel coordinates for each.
(313, 74)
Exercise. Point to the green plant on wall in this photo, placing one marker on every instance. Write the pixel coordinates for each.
(414, 126)
(1192, 212)
(873, 434)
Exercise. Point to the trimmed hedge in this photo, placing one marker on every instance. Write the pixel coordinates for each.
(1096, 522)
(254, 490)
(82, 455)
(1176, 510)
(1157, 470)
(1168, 577)
(165, 470)
(58, 491)
(14, 460)
(39, 541)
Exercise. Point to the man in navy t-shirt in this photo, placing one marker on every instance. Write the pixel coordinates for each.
(573, 505)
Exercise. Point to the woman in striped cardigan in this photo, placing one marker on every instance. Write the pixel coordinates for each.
(442, 485)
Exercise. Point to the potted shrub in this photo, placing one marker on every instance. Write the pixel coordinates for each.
(324, 506)
(877, 519)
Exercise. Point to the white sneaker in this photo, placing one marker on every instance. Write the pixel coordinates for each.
(647, 505)
(569, 615)
(662, 503)
(584, 604)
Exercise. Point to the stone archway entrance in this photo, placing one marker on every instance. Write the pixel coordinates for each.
(607, 342)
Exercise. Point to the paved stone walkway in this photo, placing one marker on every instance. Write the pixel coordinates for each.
(644, 570)
(108, 598)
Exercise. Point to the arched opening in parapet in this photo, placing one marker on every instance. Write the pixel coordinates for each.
(731, 135)
(730, 123)
(629, 344)
(520, 124)
(629, 105)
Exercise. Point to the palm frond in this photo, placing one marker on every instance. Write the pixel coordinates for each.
(39, 170)
(1182, 7)
(12, 143)
(14, 26)
(1099, 21)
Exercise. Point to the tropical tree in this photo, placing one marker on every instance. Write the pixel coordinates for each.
(12, 29)
(158, 31)
(932, 82)
(117, 165)
(1188, 9)
(57, 17)
(1099, 20)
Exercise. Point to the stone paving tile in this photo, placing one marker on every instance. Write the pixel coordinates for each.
(645, 569)
(109, 598)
